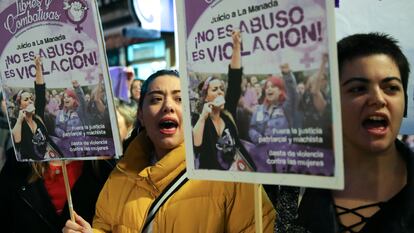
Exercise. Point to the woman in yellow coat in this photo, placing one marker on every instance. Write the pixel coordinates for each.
(152, 161)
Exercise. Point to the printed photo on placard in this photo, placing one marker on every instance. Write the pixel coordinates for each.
(260, 92)
(55, 81)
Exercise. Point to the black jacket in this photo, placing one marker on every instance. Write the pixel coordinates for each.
(26, 208)
(317, 214)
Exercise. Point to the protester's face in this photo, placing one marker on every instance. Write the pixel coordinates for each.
(161, 113)
(215, 89)
(300, 88)
(253, 80)
(372, 99)
(136, 90)
(258, 89)
(26, 99)
(68, 101)
(272, 92)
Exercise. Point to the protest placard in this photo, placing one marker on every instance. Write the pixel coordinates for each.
(277, 119)
(71, 115)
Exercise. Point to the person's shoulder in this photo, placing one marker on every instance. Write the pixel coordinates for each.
(136, 156)
(406, 153)
(13, 170)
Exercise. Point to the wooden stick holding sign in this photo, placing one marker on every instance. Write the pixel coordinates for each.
(67, 188)
(258, 208)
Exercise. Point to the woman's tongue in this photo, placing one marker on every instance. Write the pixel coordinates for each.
(168, 127)
(375, 126)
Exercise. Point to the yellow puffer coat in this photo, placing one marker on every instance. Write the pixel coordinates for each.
(198, 206)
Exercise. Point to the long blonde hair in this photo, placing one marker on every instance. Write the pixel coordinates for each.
(38, 169)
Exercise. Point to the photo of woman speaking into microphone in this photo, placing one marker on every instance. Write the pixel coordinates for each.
(30, 134)
(215, 125)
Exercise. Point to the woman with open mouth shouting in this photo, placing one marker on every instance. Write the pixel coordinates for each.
(148, 190)
(379, 187)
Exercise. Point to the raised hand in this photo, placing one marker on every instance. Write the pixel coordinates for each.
(207, 108)
(39, 70)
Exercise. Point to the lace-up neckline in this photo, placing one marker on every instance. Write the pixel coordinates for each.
(340, 211)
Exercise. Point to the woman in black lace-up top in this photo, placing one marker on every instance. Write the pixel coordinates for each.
(30, 134)
(215, 134)
(379, 190)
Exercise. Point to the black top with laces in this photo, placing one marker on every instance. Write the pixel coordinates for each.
(318, 214)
